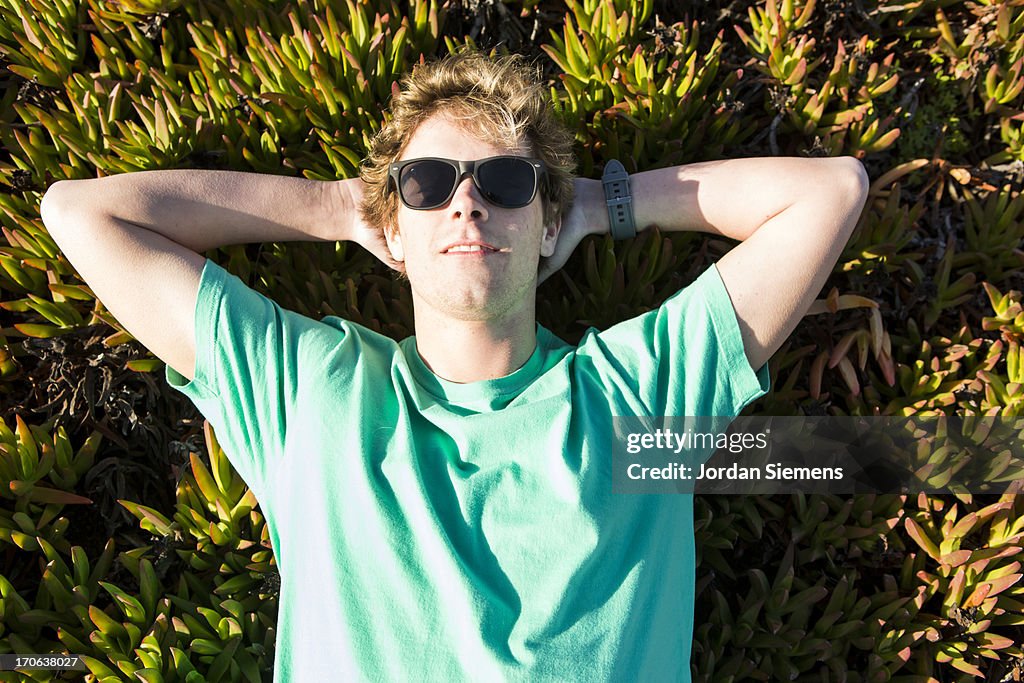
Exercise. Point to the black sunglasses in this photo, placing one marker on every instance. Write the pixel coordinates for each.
(429, 182)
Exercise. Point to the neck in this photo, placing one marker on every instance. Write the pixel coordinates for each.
(474, 350)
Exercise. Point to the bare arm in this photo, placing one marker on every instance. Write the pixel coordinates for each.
(135, 238)
(783, 262)
(202, 210)
(793, 216)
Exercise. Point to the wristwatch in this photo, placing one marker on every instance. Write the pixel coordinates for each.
(619, 200)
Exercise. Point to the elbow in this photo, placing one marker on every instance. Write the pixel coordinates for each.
(59, 201)
(858, 183)
(850, 190)
(50, 205)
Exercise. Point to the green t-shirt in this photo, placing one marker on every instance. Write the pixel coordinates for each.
(433, 531)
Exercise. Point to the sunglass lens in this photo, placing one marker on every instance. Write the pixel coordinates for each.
(427, 183)
(507, 182)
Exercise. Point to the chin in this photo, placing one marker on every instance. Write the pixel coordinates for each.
(476, 304)
(473, 296)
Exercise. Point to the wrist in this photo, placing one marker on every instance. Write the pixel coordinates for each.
(342, 203)
(591, 194)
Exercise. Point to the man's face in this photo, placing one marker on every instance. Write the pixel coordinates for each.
(487, 283)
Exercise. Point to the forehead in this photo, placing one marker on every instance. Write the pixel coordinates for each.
(442, 136)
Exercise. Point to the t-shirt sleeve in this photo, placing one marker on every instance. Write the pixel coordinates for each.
(685, 358)
(245, 374)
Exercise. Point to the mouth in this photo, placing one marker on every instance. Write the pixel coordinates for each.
(473, 248)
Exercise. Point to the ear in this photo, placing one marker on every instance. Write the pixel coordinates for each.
(550, 238)
(394, 240)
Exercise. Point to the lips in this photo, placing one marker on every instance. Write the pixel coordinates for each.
(470, 248)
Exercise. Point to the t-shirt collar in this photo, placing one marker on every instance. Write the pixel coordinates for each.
(484, 391)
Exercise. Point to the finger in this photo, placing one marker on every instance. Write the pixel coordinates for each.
(545, 269)
(397, 266)
(548, 268)
(381, 251)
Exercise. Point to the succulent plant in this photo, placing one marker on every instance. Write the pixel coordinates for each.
(920, 318)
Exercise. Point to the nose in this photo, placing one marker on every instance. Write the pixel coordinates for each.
(467, 199)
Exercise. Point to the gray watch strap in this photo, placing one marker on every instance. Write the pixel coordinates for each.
(619, 200)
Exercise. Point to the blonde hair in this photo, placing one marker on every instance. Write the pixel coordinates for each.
(499, 100)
